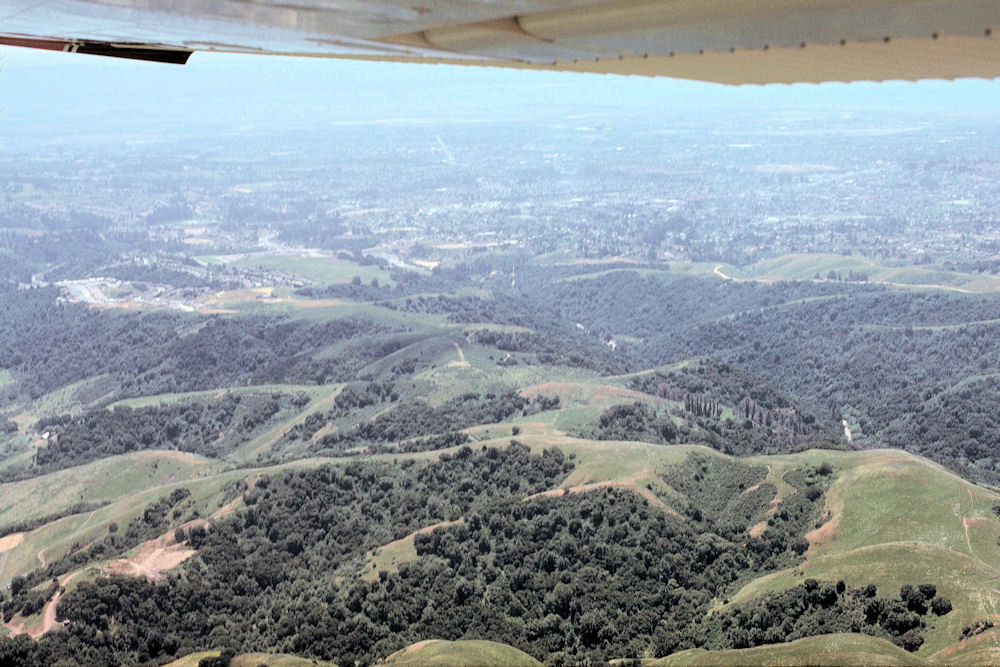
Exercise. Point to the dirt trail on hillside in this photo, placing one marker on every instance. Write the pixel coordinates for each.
(965, 523)
(49, 616)
(630, 483)
(48, 620)
(718, 271)
(461, 358)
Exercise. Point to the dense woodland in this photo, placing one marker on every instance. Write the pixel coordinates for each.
(415, 418)
(300, 528)
(910, 369)
(897, 364)
(818, 607)
(53, 345)
(577, 577)
(743, 368)
(208, 427)
(889, 359)
(743, 430)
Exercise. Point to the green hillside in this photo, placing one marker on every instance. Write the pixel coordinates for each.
(892, 519)
(822, 651)
(469, 653)
(534, 480)
(807, 266)
(253, 660)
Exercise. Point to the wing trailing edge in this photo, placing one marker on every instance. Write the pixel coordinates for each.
(725, 41)
(149, 52)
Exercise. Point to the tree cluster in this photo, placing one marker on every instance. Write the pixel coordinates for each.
(820, 607)
(208, 427)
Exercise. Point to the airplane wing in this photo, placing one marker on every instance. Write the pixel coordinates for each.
(726, 41)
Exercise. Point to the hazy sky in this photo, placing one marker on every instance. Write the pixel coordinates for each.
(48, 95)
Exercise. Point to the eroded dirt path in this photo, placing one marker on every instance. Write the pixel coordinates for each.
(965, 522)
(48, 620)
(461, 362)
(631, 483)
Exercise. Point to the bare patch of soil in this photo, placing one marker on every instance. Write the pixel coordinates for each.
(758, 529)
(631, 483)
(155, 556)
(10, 541)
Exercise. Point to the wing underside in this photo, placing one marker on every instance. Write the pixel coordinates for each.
(727, 41)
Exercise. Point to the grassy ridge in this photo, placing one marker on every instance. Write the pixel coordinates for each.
(325, 270)
(837, 649)
(897, 519)
(126, 484)
(893, 518)
(806, 266)
(106, 480)
(252, 660)
(157, 399)
(470, 653)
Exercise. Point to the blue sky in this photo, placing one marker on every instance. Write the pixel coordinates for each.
(47, 93)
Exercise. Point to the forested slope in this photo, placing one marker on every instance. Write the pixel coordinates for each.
(388, 504)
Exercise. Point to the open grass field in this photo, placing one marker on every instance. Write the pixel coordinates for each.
(19, 450)
(124, 485)
(253, 660)
(261, 299)
(106, 480)
(805, 266)
(73, 398)
(469, 653)
(832, 650)
(324, 270)
(703, 269)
